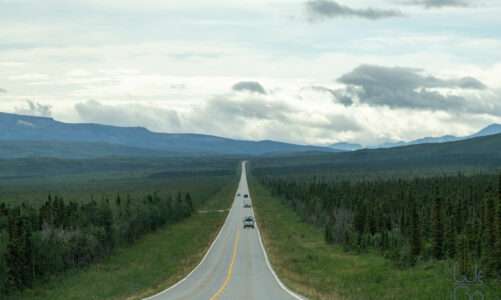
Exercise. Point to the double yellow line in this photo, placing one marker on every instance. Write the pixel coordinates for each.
(230, 269)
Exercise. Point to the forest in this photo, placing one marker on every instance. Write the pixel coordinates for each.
(446, 217)
(37, 241)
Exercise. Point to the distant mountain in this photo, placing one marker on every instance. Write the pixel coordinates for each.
(425, 140)
(434, 140)
(489, 130)
(479, 153)
(19, 131)
(346, 146)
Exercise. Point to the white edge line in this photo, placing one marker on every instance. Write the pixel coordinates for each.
(201, 262)
(280, 283)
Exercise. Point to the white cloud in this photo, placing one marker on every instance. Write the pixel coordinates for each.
(29, 77)
(34, 109)
(131, 114)
(168, 65)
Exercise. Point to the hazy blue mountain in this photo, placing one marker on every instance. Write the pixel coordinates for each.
(432, 140)
(346, 146)
(480, 153)
(388, 145)
(20, 128)
(489, 130)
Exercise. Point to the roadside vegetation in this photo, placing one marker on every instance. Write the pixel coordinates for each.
(321, 243)
(90, 233)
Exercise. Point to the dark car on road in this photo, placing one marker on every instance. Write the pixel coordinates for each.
(247, 205)
(248, 222)
(246, 196)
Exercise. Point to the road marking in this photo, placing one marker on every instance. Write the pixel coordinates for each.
(267, 260)
(230, 269)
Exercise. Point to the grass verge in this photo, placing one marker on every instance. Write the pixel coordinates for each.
(155, 262)
(320, 271)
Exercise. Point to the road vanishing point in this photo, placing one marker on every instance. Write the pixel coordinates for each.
(236, 266)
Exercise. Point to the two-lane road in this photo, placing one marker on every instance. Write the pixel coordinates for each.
(235, 267)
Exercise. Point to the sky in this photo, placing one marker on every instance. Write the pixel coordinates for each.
(309, 72)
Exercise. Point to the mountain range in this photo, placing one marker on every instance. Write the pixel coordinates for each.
(23, 136)
(475, 155)
(31, 136)
(489, 130)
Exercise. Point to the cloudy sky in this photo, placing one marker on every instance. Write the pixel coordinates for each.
(314, 71)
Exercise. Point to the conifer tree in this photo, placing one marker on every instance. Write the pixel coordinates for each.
(497, 244)
(450, 238)
(490, 229)
(437, 229)
(189, 202)
(415, 230)
(19, 256)
(463, 254)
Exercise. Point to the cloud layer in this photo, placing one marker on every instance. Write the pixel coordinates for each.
(327, 9)
(398, 87)
(128, 115)
(249, 86)
(35, 109)
(171, 66)
(440, 3)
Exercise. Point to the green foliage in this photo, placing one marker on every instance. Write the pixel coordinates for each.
(62, 235)
(441, 217)
(416, 240)
(318, 270)
(437, 238)
(154, 262)
(66, 215)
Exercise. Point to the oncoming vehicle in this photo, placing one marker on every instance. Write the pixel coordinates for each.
(247, 205)
(246, 196)
(248, 222)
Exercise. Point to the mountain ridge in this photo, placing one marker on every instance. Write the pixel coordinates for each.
(25, 129)
(491, 129)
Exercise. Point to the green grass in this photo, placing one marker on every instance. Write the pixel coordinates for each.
(152, 264)
(319, 271)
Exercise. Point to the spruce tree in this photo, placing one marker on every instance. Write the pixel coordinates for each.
(19, 255)
(497, 245)
(450, 239)
(463, 254)
(490, 229)
(416, 242)
(189, 202)
(437, 229)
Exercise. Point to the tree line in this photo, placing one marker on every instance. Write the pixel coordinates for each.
(436, 218)
(36, 242)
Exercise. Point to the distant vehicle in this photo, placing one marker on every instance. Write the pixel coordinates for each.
(246, 196)
(248, 222)
(238, 195)
(247, 205)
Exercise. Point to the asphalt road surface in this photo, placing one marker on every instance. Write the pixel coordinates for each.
(235, 267)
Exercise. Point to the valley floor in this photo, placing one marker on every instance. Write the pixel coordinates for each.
(152, 264)
(320, 271)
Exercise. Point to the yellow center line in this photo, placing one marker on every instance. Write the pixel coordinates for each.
(230, 269)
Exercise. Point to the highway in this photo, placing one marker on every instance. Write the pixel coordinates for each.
(235, 267)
